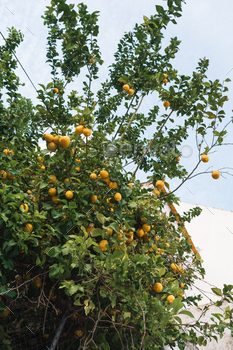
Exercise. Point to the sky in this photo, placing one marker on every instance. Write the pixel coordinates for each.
(205, 30)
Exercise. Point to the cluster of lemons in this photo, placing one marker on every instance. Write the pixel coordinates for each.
(4, 174)
(127, 88)
(165, 79)
(82, 130)
(104, 175)
(215, 173)
(54, 141)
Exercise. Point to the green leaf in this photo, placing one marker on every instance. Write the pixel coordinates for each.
(43, 184)
(101, 218)
(186, 312)
(159, 9)
(96, 232)
(127, 315)
(117, 254)
(178, 319)
(200, 340)
(217, 291)
(38, 261)
(177, 305)
(227, 80)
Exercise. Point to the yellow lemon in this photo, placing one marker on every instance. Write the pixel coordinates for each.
(158, 287)
(103, 244)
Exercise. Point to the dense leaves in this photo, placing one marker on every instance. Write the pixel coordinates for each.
(80, 237)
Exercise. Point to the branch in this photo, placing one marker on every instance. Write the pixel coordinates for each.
(167, 194)
(131, 119)
(144, 321)
(124, 116)
(151, 143)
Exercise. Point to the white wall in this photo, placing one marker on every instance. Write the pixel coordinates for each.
(212, 235)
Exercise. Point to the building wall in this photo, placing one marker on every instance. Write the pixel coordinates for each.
(212, 235)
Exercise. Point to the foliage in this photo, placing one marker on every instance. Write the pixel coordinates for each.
(105, 290)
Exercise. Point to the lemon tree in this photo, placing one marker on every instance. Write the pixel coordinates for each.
(80, 237)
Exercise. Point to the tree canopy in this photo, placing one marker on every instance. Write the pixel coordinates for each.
(84, 246)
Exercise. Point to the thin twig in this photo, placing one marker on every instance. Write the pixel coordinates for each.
(151, 143)
(144, 321)
(131, 119)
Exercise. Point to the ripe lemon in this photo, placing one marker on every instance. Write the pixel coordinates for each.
(55, 90)
(37, 281)
(48, 137)
(130, 185)
(90, 228)
(111, 311)
(165, 76)
(177, 159)
(87, 132)
(173, 266)
(215, 174)
(4, 174)
(155, 191)
(7, 151)
(24, 206)
(103, 174)
(52, 146)
(166, 104)
(131, 92)
(5, 313)
(27, 276)
(42, 167)
(93, 176)
(69, 194)
(53, 179)
(143, 220)
(56, 139)
(64, 141)
(28, 228)
(159, 184)
(117, 197)
(52, 296)
(29, 192)
(66, 180)
(158, 287)
(130, 238)
(92, 60)
(146, 228)
(125, 87)
(113, 185)
(103, 244)
(170, 299)
(107, 180)
(165, 81)
(77, 168)
(204, 158)
(182, 285)
(78, 160)
(93, 198)
(10, 177)
(79, 129)
(39, 160)
(181, 295)
(179, 269)
(140, 232)
(52, 191)
(55, 199)
(109, 230)
(78, 333)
